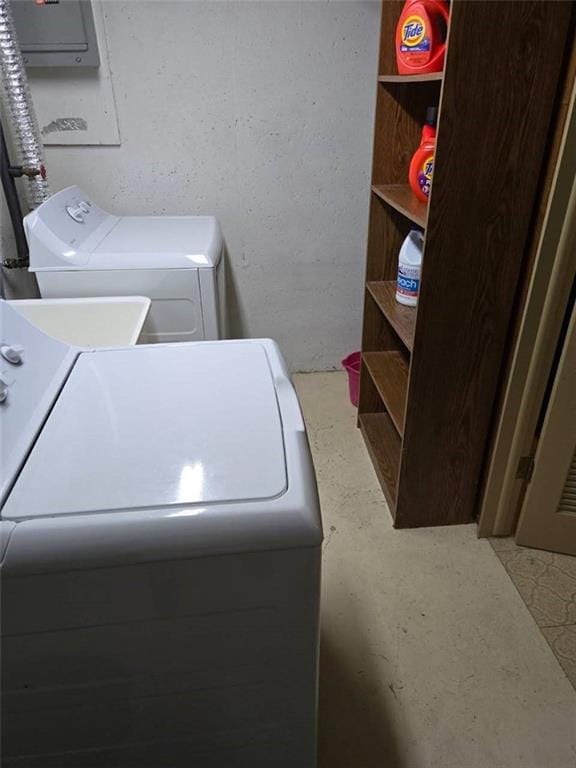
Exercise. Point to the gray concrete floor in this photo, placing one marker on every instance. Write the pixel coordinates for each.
(429, 658)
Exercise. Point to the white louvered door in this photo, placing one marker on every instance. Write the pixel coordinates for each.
(548, 517)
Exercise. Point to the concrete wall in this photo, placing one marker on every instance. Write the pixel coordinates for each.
(261, 113)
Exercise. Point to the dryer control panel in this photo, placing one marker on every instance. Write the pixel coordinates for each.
(65, 229)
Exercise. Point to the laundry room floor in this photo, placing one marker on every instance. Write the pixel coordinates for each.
(429, 656)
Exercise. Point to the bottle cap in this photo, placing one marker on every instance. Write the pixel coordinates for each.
(432, 116)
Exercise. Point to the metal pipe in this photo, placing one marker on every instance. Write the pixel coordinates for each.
(20, 110)
(13, 204)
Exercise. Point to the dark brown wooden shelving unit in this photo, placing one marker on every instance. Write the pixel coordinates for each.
(429, 375)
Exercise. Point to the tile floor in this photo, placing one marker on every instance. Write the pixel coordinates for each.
(430, 658)
(547, 584)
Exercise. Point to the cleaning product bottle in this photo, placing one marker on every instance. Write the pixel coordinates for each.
(421, 37)
(409, 267)
(422, 163)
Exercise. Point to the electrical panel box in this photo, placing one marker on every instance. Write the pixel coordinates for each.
(56, 33)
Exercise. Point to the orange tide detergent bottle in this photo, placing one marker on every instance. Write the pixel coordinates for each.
(421, 37)
(422, 163)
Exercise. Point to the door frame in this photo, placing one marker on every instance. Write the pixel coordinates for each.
(544, 522)
(543, 313)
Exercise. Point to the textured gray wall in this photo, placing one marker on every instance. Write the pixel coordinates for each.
(261, 113)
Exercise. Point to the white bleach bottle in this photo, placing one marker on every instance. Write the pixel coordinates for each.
(409, 268)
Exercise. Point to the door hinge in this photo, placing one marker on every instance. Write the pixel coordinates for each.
(525, 468)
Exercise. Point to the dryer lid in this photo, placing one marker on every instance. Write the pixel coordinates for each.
(157, 427)
(159, 242)
(69, 232)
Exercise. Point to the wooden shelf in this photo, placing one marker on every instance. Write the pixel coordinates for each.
(400, 317)
(402, 199)
(435, 76)
(389, 372)
(383, 446)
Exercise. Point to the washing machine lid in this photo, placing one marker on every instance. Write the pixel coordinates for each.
(159, 242)
(157, 427)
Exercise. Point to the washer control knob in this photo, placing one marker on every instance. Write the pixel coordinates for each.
(12, 353)
(3, 389)
(75, 212)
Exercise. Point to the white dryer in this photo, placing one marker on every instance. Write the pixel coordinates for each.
(78, 250)
(160, 556)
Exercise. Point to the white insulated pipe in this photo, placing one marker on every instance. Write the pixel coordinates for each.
(20, 110)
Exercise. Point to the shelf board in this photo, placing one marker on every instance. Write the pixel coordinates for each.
(389, 372)
(383, 446)
(434, 76)
(400, 317)
(402, 199)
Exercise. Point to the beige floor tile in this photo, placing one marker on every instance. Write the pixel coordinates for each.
(502, 543)
(429, 657)
(563, 643)
(546, 581)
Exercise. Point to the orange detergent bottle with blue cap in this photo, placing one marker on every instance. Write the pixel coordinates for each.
(422, 163)
(421, 37)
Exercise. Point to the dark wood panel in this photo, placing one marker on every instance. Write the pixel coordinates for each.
(370, 400)
(555, 140)
(491, 148)
(402, 199)
(383, 446)
(378, 333)
(386, 232)
(389, 372)
(401, 318)
(391, 10)
(400, 115)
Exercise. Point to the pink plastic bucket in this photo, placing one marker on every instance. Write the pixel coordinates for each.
(351, 365)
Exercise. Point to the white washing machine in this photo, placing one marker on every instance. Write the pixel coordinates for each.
(77, 250)
(160, 556)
